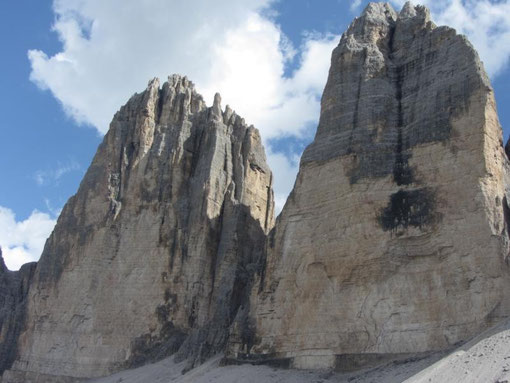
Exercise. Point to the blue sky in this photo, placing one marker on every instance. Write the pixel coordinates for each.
(269, 59)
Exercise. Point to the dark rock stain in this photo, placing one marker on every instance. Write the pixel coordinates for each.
(402, 172)
(408, 208)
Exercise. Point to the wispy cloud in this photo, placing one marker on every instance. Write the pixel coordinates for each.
(53, 176)
(55, 211)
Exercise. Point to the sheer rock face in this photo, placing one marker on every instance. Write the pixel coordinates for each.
(155, 252)
(394, 239)
(13, 298)
(393, 242)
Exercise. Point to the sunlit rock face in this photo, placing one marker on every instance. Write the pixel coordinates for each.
(393, 243)
(154, 254)
(394, 240)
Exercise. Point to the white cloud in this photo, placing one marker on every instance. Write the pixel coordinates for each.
(355, 4)
(44, 177)
(485, 22)
(23, 241)
(112, 48)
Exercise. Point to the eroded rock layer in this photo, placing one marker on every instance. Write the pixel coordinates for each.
(394, 240)
(155, 253)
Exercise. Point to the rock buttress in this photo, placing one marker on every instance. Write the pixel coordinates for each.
(393, 241)
(153, 254)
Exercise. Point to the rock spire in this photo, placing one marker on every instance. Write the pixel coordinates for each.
(394, 241)
(153, 255)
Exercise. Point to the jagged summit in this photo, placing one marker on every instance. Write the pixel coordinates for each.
(382, 16)
(386, 10)
(178, 92)
(411, 11)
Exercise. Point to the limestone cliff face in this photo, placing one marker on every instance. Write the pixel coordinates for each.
(14, 287)
(154, 253)
(394, 239)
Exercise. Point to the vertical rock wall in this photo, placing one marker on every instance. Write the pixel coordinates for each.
(394, 239)
(155, 252)
(14, 287)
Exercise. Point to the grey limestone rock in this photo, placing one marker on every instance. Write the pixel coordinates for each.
(155, 252)
(14, 287)
(393, 243)
(394, 240)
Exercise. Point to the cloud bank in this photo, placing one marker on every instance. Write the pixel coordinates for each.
(23, 241)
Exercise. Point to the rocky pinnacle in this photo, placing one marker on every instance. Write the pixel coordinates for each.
(154, 254)
(394, 240)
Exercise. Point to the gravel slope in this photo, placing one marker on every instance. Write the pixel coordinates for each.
(484, 359)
